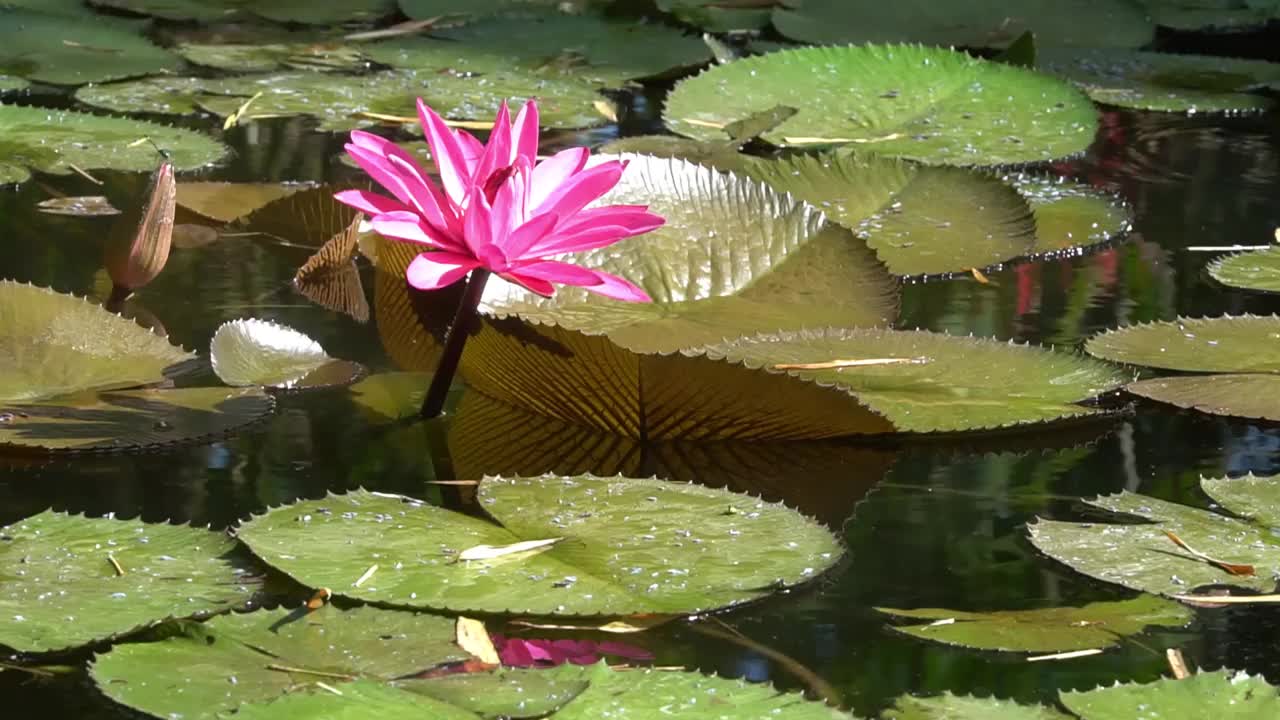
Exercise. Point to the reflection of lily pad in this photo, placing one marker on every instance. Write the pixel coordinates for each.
(1219, 694)
(53, 140)
(1257, 270)
(628, 546)
(128, 420)
(1140, 556)
(260, 352)
(1046, 630)
(1164, 81)
(62, 588)
(964, 707)
(65, 50)
(52, 344)
(936, 106)
(1117, 23)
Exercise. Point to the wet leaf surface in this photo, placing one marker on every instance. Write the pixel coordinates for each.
(1259, 270)
(1221, 694)
(63, 50)
(964, 707)
(1239, 344)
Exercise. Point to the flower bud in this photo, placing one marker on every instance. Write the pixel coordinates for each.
(136, 254)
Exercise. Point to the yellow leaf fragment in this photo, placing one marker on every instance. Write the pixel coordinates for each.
(489, 552)
(1066, 655)
(234, 118)
(635, 624)
(471, 635)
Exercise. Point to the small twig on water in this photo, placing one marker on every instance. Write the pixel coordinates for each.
(819, 687)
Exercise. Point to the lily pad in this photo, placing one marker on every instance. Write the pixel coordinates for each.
(1224, 16)
(1070, 216)
(73, 580)
(12, 84)
(1164, 81)
(1142, 557)
(1045, 630)
(719, 155)
(927, 104)
(1246, 343)
(356, 700)
(964, 707)
(1247, 395)
(985, 23)
(1258, 270)
(53, 344)
(63, 50)
(260, 352)
(222, 202)
(291, 11)
(425, 9)
(1220, 694)
(165, 95)
(717, 16)
(644, 546)
(129, 420)
(269, 57)
(53, 140)
(331, 279)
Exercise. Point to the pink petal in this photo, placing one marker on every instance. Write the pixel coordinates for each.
(423, 193)
(529, 234)
(472, 149)
(508, 208)
(455, 171)
(637, 216)
(434, 270)
(554, 171)
(612, 286)
(581, 189)
(477, 227)
(589, 237)
(525, 133)
(408, 225)
(370, 203)
(533, 285)
(557, 272)
(497, 152)
(382, 172)
(631, 652)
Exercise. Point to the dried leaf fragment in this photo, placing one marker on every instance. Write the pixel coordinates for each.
(472, 636)
(1230, 568)
(489, 552)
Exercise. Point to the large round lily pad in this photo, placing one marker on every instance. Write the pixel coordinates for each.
(1246, 343)
(1164, 81)
(63, 50)
(932, 105)
(1220, 694)
(53, 344)
(625, 546)
(1070, 216)
(719, 16)
(980, 23)
(72, 580)
(54, 140)
(9, 83)
(1258, 270)
(1223, 16)
(1142, 557)
(1248, 395)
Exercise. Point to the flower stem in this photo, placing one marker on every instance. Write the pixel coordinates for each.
(454, 342)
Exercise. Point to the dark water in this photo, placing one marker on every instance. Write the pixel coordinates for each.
(933, 524)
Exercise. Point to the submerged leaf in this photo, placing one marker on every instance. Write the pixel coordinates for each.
(73, 580)
(690, 555)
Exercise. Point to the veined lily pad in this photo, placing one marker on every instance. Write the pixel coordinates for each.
(64, 50)
(260, 352)
(1142, 557)
(53, 140)
(985, 23)
(129, 420)
(1046, 630)
(1258, 270)
(1164, 81)
(293, 11)
(1221, 694)
(53, 344)
(222, 202)
(330, 278)
(270, 57)
(165, 95)
(719, 155)
(965, 707)
(72, 580)
(624, 547)
(927, 104)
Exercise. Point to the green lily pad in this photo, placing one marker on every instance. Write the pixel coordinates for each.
(270, 57)
(260, 352)
(425, 9)
(927, 104)
(1242, 344)
(61, 589)
(1140, 556)
(387, 397)
(1070, 216)
(53, 140)
(734, 258)
(1225, 16)
(630, 546)
(53, 344)
(12, 84)
(1044, 630)
(1164, 81)
(166, 95)
(714, 16)
(1257, 270)
(723, 156)
(985, 23)
(129, 420)
(964, 707)
(63, 50)
(290, 11)
(1220, 694)
(1247, 395)
(355, 700)
(940, 383)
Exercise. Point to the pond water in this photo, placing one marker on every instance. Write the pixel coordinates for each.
(931, 524)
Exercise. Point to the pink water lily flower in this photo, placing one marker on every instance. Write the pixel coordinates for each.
(497, 208)
(521, 652)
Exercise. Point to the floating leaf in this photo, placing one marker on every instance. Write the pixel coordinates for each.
(1164, 81)
(1246, 343)
(722, 15)
(691, 553)
(290, 11)
(63, 50)
(53, 344)
(12, 84)
(1259, 270)
(1141, 557)
(425, 9)
(165, 95)
(222, 202)
(719, 155)
(1220, 16)
(932, 105)
(54, 140)
(1045, 630)
(269, 57)
(355, 700)
(391, 396)
(964, 707)
(1114, 23)
(72, 580)
(1221, 694)
(260, 352)
(1247, 395)
(330, 278)
(129, 420)
(1070, 216)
